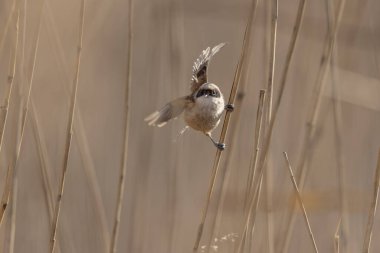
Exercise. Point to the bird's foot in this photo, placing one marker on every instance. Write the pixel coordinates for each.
(229, 107)
(220, 146)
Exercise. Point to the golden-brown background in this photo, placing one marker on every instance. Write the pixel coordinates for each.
(167, 176)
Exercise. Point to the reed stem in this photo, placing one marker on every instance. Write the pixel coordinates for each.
(372, 210)
(226, 121)
(123, 168)
(69, 132)
(11, 77)
(300, 202)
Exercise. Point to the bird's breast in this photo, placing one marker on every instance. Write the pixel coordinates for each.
(204, 114)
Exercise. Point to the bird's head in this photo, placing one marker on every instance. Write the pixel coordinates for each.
(208, 90)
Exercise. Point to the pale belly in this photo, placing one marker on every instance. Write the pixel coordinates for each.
(204, 116)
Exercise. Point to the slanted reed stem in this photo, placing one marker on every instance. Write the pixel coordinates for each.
(123, 168)
(9, 178)
(300, 202)
(69, 132)
(372, 210)
(226, 121)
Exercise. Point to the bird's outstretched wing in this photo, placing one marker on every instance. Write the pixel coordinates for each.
(170, 111)
(200, 66)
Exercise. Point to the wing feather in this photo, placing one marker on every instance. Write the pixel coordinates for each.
(170, 111)
(200, 66)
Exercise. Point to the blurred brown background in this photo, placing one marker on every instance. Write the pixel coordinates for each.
(167, 176)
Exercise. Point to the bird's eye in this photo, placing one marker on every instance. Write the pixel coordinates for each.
(213, 93)
(200, 93)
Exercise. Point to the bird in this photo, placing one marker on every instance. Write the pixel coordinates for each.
(203, 107)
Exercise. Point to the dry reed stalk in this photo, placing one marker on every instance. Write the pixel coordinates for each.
(46, 177)
(225, 179)
(24, 114)
(300, 202)
(225, 175)
(232, 138)
(123, 168)
(253, 164)
(372, 210)
(9, 178)
(337, 117)
(6, 193)
(14, 190)
(256, 145)
(272, 57)
(340, 158)
(22, 62)
(253, 197)
(252, 204)
(7, 24)
(269, 196)
(337, 237)
(289, 56)
(44, 159)
(226, 121)
(14, 163)
(177, 46)
(13, 217)
(252, 222)
(69, 132)
(311, 120)
(80, 136)
(11, 77)
(268, 176)
(276, 107)
(292, 46)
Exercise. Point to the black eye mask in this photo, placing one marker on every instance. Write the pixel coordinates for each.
(209, 92)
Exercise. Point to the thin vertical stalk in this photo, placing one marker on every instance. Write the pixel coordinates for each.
(46, 178)
(226, 121)
(81, 138)
(337, 237)
(9, 178)
(337, 118)
(11, 78)
(69, 132)
(250, 197)
(253, 163)
(252, 221)
(254, 196)
(7, 24)
(312, 118)
(272, 57)
(45, 164)
(23, 116)
(123, 168)
(300, 202)
(225, 176)
(268, 138)
(292, 46)
(372, 210)
(253, 203)
(176, 47)
(268, 175)
(22, 62)
(255, 155)
(13, 217)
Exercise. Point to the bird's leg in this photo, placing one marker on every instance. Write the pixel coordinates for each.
(229, 107)
(220, 146)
